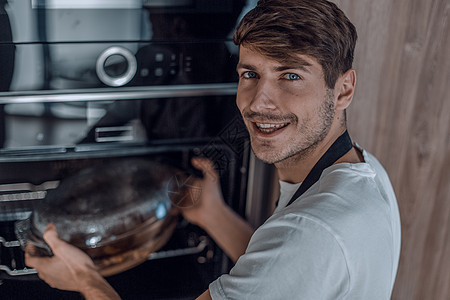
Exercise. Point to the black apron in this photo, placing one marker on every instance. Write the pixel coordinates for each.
(341, 146)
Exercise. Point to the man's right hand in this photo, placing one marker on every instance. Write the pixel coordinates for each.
(70, 269)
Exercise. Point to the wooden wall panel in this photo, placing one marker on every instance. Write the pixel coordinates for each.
(401, 113)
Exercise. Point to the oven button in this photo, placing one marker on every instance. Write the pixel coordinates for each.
(159, 72)
(116, 66)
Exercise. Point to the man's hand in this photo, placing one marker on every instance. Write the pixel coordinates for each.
(69, 269)
(208, 210)
(204, 195)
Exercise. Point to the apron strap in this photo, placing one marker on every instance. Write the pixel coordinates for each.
(341, 146)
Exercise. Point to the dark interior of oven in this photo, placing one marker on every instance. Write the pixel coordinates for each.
(184, 266)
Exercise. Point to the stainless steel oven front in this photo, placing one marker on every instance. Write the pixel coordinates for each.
(89, 82)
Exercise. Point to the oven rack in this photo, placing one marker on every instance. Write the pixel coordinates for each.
(203, 244)
(13, 271)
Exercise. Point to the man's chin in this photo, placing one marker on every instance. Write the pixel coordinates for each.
(272, 153)
(268, 158)
(279, 157)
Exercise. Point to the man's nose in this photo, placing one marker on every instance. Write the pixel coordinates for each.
(264, 97)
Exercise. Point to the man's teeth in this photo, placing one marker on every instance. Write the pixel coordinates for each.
(268, 128)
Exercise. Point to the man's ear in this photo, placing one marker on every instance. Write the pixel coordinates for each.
(344, 89)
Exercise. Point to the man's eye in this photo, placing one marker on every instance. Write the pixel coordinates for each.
(291, 76)
(249, 74)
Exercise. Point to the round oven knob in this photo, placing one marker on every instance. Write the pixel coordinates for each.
(116, 66)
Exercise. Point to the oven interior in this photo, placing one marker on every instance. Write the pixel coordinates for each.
(189, 261)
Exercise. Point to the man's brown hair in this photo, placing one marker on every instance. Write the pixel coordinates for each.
(282, 29)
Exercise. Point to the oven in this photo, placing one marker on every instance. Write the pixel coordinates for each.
(86, 83)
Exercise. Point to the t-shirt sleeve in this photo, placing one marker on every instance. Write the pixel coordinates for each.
(291, 257)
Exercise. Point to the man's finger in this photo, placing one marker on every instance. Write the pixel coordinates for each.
(52, 239)
(206, 166)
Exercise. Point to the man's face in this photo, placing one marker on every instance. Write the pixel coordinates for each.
(286, 107)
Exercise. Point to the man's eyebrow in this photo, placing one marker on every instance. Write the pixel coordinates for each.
(245, 66)
(299, 64)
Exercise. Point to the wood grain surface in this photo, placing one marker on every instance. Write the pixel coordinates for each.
(401, 113)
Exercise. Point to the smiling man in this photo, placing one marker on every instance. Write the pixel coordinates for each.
(335, 233)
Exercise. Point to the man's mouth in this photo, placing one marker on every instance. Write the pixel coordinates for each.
(270, 127)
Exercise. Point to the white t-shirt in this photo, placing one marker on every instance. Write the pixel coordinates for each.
(339, 240)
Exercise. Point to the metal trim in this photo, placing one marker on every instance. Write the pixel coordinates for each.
(260, 191)
(124, 93)
(86, 4)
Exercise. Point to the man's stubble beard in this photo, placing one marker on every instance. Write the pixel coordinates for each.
(312, 135)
